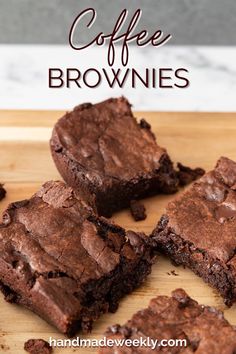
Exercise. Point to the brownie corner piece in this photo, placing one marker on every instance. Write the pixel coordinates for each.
(62, 261)
(198, 229)
(137, 210)
(187, 175)
(102, 148)
(196, 328)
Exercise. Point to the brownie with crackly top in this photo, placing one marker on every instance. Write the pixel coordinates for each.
(62, 261)
(198, 229)
(37, 346)
(174, 325)
(104, 149)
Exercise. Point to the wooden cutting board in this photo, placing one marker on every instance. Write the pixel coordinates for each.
(195, 139)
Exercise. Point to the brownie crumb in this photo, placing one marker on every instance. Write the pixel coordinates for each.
(138, 210)
(173, 272)
(37, 346)
(2, 192)
(187, 175)
(89, 296)
(4, 347)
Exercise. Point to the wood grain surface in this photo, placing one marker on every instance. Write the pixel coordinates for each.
(195, 139)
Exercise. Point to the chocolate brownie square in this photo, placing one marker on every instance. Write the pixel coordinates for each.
(198, 229)
(174, 325)
(102, 148)
(61, 261)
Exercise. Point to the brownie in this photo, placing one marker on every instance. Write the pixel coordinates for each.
(102, 148)
(137, 210)
(37, 346)
(198, 229)
(62, 261)
(2, 192)
(203, 329)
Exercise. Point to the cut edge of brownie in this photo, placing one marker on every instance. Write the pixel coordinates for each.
(163, 181)
(183, 252)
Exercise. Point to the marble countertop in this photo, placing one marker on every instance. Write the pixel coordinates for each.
(212, 73)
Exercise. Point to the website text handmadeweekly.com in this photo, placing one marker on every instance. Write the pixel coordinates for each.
(124, 342)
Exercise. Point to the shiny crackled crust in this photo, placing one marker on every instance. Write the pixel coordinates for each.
(177, 317)
(199, 227)
(102, 148)
(63, 262)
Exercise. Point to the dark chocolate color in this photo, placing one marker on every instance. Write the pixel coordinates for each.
(187, 175)
(137, 210)
(2, 192)
(63, 262)
(37, 346)
(102, 148)
(199, 228)
(204, 328)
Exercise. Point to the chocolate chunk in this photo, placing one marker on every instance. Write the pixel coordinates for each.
(186, 175)
(37, 346)
(138, 210)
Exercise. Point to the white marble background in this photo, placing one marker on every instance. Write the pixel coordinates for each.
(212, 73)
